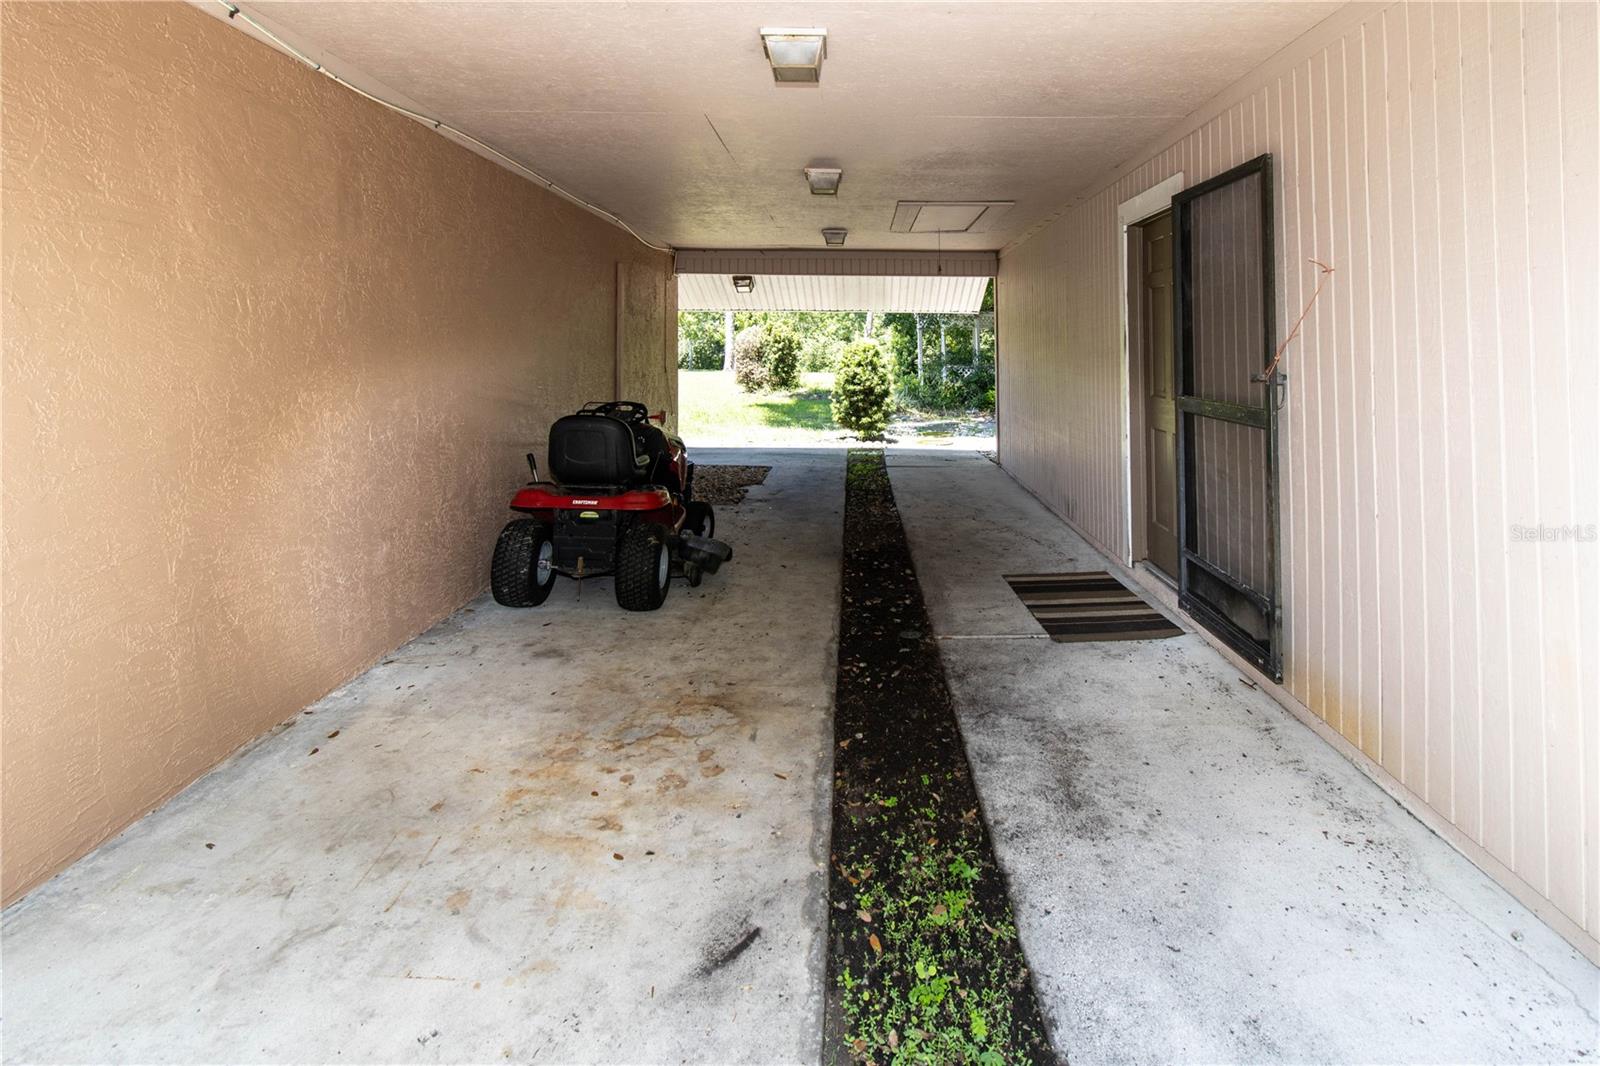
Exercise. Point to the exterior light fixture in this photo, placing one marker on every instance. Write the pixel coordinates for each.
(824, 181)
(796, 55)
(834, 235)
(744, 283)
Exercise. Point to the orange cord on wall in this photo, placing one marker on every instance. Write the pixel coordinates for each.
(1266, 375)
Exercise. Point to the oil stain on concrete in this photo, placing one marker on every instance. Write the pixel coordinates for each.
(570, 833)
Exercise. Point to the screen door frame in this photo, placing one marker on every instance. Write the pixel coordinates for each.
(1267, 654)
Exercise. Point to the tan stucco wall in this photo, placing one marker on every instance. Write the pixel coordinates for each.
(271, 359)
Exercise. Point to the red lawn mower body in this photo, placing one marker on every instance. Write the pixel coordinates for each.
(621, 504)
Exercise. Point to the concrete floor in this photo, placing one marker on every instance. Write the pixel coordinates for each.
(437, 883)
(1197, 876)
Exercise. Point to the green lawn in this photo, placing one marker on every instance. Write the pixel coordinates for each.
(712, 408)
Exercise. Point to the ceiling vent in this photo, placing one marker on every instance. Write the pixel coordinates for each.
(948, 216)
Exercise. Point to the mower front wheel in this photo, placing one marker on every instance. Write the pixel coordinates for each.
(521, 574)
(644, 568)
(701, 520)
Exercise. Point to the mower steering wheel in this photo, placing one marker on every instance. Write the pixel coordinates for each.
(627, 410)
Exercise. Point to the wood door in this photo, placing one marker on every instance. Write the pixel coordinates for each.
(1160, 411)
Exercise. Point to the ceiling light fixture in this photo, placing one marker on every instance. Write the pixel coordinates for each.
(834, 235)
(796, 55)
(744, 283)
(824, 181)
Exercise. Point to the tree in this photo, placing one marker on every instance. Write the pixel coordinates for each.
(951, 371)
(820, 352)
(700, 343)
(863, 391)
(921, 377)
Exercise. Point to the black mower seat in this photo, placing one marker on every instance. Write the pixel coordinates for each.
(592, 449)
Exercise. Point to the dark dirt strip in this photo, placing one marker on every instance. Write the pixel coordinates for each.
(924, 964)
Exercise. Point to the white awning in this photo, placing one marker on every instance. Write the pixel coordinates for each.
(847, 280)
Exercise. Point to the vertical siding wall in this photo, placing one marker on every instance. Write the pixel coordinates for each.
(1443, 394)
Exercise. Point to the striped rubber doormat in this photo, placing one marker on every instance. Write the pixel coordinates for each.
(1089, 606)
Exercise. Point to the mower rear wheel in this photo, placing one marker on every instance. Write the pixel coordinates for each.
(644, 568)
(521, 574)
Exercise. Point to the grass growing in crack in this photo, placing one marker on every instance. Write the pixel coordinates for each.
(917, 1000)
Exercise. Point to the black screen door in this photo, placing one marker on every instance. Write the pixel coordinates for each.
(1227, 411)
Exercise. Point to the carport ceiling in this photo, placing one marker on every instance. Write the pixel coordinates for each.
(667, 114)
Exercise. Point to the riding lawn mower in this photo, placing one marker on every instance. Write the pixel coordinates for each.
(621, 503)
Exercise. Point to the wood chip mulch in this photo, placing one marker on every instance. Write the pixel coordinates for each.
(726, 484)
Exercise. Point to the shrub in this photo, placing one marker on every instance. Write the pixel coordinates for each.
(819, 352)
(693, 356)
(782, 356)
(953, 384)
(767, 357)
(750, 359)
(961, 391)
(863, 393)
